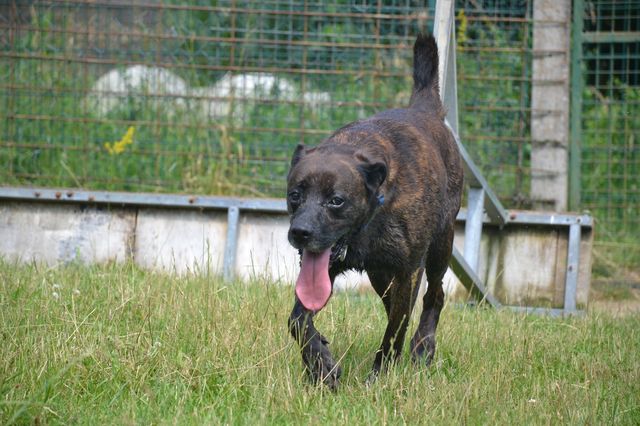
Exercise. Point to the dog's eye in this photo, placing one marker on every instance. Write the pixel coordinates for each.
(336, 202)
(294, 197)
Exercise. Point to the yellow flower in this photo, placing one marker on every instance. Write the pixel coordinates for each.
(120, 146)
(461, 33)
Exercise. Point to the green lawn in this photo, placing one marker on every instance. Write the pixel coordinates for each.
(115, 344)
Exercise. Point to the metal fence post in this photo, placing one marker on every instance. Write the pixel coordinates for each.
(473, 227)
(575, 143)
(573, 262)
(230, 248)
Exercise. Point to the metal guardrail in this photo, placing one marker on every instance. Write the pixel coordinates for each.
(141, 199)
(234, 206)
(265, 205)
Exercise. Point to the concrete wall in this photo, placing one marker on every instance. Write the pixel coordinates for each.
(550, 104)
(191, 241)
(527, 265)
(58, 234)
(520, 265)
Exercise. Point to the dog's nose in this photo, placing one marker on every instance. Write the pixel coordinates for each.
(299, 234)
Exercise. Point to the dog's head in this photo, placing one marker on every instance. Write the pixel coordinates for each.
(332, 192)
(330, 195)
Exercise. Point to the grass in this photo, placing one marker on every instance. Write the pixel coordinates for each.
(115, 344)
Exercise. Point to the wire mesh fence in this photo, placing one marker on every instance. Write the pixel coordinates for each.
(214, 95)
(211, 96)
(610, 125)
(494, 55)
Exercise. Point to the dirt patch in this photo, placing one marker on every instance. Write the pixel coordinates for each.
(615, 298)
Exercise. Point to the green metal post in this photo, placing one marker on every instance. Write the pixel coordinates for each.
(577, 84)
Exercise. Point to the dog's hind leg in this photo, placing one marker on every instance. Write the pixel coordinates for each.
(316, 357)
(423, 343)
(402, 293)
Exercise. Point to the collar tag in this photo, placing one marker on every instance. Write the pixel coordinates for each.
(380, 199)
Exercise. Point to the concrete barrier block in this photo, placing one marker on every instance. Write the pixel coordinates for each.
(263, 249)
(63, 233)
(180, 241)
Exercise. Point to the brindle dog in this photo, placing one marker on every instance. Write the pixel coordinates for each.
(379, 195)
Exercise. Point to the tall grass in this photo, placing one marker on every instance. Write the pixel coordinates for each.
(115, 344)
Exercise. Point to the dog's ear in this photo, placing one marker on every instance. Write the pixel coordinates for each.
(374, 175)
(373, 170)
(298, 154)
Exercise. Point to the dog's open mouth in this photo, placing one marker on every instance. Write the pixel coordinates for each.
(313, 286)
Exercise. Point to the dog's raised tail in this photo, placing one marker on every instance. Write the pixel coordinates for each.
(425, 72)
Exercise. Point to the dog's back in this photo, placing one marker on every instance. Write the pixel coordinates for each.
(424, 182)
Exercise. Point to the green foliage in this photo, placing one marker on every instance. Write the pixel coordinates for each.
(54, 139)
(494, 92)
(610, 187)
(611, 156)
(114, 344)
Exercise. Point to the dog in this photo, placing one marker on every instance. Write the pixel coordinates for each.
(379, 195)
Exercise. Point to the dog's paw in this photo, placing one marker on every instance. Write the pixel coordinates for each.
(328, 375)
(372, 378)
(321, 367)
(423, 349)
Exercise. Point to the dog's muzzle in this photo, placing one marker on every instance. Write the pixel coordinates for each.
(338, 251)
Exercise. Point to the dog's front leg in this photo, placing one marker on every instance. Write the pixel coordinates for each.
(316, 357)
(403, 291)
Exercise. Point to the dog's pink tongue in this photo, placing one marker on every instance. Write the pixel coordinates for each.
(313, 287)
